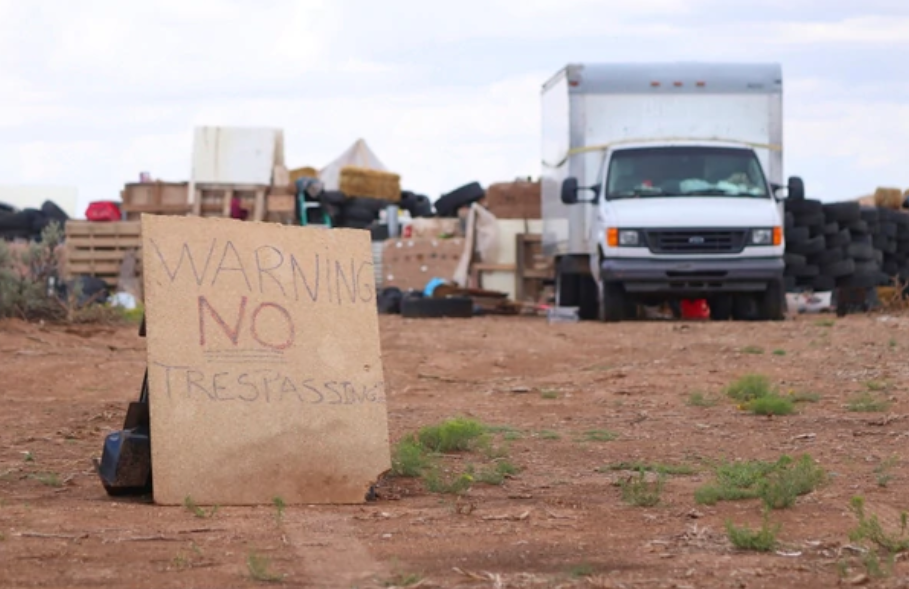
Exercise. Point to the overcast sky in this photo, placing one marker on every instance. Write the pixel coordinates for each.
(94, 92)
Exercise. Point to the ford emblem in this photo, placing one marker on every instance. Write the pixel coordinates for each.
(697, 240)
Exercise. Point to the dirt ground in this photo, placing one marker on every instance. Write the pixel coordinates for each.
(561, 521)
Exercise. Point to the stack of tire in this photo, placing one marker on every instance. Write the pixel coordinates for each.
(893, 243)
(450, 203)
(359, 212)
(814, 247)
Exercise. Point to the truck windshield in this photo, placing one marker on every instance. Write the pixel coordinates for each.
(685, 171)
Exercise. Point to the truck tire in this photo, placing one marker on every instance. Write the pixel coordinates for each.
(843, 212)
(614, 307)
(588, 298)
(720, 308)
(772, 302)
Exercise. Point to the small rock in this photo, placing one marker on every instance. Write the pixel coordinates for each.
(520, 389)
(859, 579)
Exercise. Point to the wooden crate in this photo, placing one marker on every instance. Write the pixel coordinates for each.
(157, 198)
(97, 249)
(532, 269)
(213, 200)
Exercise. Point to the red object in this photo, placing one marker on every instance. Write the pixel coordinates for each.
(237, 211)
(103, 211)
(695, 309)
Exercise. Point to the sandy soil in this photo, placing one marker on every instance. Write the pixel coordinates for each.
(560, 522)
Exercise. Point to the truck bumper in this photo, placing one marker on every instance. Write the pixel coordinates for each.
(692, 277)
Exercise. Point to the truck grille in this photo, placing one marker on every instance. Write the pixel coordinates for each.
(696, 242)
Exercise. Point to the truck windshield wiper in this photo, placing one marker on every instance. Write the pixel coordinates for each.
(637, 192)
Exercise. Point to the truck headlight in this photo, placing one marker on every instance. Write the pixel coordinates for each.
(761, 236)
(628, 237)
(766, 236)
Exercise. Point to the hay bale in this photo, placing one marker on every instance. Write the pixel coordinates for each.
(304, 172)
(888, 198)
(364, 182)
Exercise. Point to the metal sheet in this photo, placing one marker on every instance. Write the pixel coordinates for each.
(236, 155)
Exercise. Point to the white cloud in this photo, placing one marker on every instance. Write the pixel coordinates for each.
(94, 92)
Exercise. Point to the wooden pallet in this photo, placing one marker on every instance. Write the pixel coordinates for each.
(157, 198)
(97, 249)
(213, 200)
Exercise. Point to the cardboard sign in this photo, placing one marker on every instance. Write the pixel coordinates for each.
(265, 376)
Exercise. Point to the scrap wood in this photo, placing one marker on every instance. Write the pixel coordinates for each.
(507, 517)
(58, 536)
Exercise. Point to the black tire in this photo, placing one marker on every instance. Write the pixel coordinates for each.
(389, 300)
(841, 239)
(811, 246)
(720, 308)
(335, 198)
(828, 256)
(890, 229)
(867, 267)
(772, 302)
(797, 234)
(823, 283)
(868, 280)
(588, 298)
(789, 283)
(803, 207)
(891, 268)
(810, 220)
(831, 228)
(863, 238)
(791, 259)
(870, 215)
(789, 220)
(860, 251)
(889, 247)
(345, 223)
(424, 308)
(54, 212)
(806, 271)
(614, 306)
(449, 204)
(842, 212)
(838, 269)
(857, 227)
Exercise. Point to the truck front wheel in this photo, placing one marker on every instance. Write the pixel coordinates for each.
(772, 303)
(615, 305)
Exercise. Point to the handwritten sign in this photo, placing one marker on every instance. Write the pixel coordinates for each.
(265, 376)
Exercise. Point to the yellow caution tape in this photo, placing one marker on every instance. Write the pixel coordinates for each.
(605, 146)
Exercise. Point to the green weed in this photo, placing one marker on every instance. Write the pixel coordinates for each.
(279, 509)
(667, 469)
(761, 540)
(779, 352)
(409, 458)
(752, 350)
(882, 471)
(701, 400)
(259, 569)
(549, 394)
(772, 404)
(454, 435)
(867, 403)
(579, 571)
(549, 435)
(197, 511)
(778, 483)
(749, 387)
(598, 435)
(825, 323)
(50, 479)
(870, 529)
(640, 492)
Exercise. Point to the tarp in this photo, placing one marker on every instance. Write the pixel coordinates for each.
(359, 154)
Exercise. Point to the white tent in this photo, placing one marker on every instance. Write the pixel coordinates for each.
(358, 155)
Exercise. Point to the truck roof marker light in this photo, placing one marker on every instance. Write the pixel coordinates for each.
(700, 84)
(574, 83)
(612, 237)
(777, 235)
(655, 84)
(677, 84)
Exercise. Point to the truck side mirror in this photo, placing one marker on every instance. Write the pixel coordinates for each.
(570, 190)
(795, 188)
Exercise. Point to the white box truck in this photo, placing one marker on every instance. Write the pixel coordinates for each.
(662, 182)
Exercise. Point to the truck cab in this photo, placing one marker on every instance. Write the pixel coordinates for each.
(678, 201)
